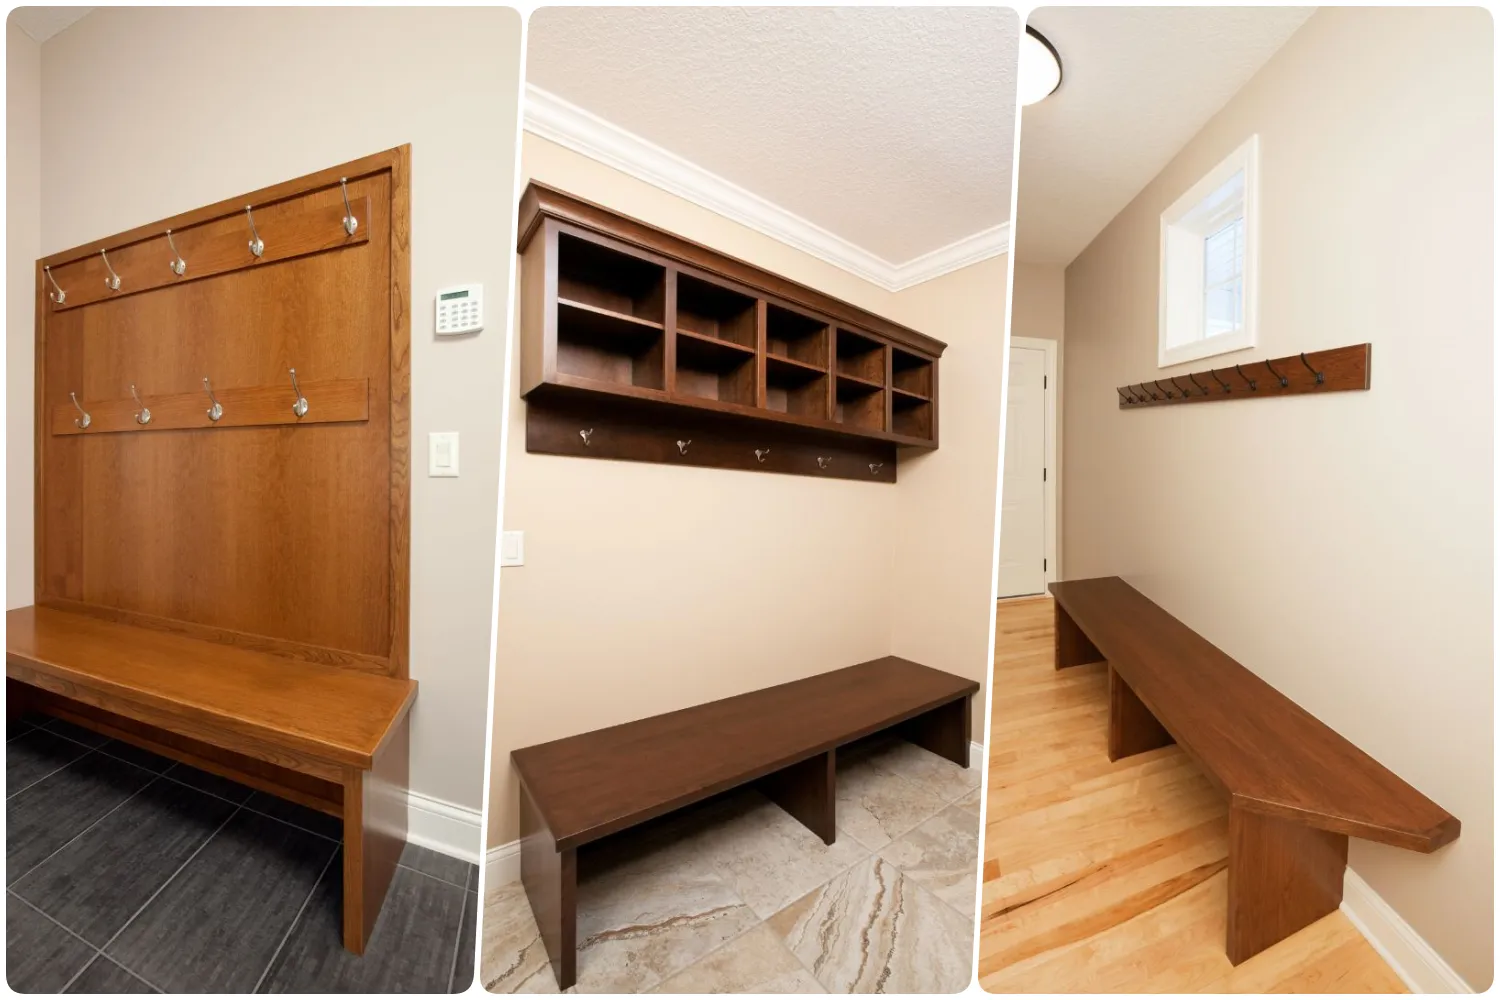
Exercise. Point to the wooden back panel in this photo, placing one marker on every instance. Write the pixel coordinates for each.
(262, 529)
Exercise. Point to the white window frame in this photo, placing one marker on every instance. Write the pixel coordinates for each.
(1181, 302)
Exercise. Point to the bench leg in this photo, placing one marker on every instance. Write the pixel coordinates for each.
(806, 790)
(944, 731)
(1132, 727)
(1071, 647)
(550, 878)
(1282, 877)
(374, 836)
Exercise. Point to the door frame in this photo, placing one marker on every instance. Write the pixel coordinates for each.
(1051, 488)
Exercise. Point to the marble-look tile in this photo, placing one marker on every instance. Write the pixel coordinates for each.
(754, 962)
(636, 928)
(872, 930)
(876, 805)
(937, 774)
(768, 858)
(942, 856)
(513, 959)
(971, 802)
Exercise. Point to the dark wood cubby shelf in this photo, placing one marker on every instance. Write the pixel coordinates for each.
(637, 344)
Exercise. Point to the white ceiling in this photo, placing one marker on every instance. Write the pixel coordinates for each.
(1138, 83)
(891, 128)
(41, 23)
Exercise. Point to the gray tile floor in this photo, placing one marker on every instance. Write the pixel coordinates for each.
(129, 873)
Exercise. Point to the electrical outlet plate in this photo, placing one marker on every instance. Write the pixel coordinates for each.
(442, 454)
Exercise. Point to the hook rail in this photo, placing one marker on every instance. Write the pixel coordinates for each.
(1339, 369)
(339, 401)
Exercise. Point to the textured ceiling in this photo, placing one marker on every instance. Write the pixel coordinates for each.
(890, 127)
(41, 23)
(1138, 83)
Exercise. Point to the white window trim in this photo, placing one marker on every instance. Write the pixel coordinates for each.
(1246, 158)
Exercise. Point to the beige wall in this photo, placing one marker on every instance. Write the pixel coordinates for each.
(23, 240)
(1037, 301)
(1344, 543)
(649, 588)
(152, 111)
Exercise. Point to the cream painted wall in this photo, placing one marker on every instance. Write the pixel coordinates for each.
(1346, 541)
(648, 588)
(1037, 303)
(23, 240)
(152, 111)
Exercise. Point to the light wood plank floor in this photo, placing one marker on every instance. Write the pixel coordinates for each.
(1111, 877)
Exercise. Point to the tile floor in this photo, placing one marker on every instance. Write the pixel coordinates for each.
(733, 895)
(128, 873)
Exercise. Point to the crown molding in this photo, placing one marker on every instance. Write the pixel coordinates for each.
(556, 120)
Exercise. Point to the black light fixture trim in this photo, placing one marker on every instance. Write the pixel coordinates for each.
(1055, 55)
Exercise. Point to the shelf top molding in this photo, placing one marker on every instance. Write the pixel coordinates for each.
(540, 202)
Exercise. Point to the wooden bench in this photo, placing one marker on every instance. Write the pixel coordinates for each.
(579, 789)
(1297, 790)
(330, 738)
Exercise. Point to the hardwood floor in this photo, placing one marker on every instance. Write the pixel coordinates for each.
(1111, 877)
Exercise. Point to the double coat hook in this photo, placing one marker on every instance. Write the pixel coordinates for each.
(300, 406)
(113, 281)
(57, 294)
(83, 419)
(143, 415)
(257, 245)
(177, 264)
(350, 222)
(215, 411)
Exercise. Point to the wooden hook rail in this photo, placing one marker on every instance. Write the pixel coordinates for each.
(333, 401)
(1341, 369)
(223, 245)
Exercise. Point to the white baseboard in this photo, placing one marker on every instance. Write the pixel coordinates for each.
(1420, 967)
(502, 864)
(443, 827)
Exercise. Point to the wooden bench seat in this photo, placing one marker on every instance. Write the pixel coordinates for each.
(579, 789)
(1297, 790)
(331, 738)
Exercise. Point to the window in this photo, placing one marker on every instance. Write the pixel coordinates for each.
(1208, 263)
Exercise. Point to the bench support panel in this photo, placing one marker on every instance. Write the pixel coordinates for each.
(1282, 877)
(375, 807)
(944, 731)
(550, 878)
(806, 790)
(1071, 647)
(1132, 727)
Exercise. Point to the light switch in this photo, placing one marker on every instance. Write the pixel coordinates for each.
(442, 453)
(512, 548)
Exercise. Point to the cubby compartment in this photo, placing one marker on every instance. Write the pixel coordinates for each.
(911, 373)
(715, 369)
(796, 388)
(715, 312)
(860, 357)
(910, 416)
(796, 337)
(859, 404)
(610, 312)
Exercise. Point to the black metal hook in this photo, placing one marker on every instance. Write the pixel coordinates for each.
(1144, 391)
(1215, 373)
(1194, 380)
(1280, 377)
(1185, 393)
(1128, 399)
(1157, 383)
(1316, 373)
(1249, 381)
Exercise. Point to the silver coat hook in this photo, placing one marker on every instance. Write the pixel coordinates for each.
(350, 222)
(215, 411)
(178, 265)
(824, 462)
(143, 415)
(682, 446)
(257, 245)
(300, 406)
(113, 281)
(83, 419)
(760, 455)
(875, 468)
(58, 295)
(586, 435)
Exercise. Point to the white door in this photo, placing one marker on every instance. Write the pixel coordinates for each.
(1022, 511)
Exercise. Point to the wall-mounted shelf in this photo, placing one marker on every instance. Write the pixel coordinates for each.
(1341, 369)
(615, 313)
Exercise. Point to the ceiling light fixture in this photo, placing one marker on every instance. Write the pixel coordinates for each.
(1041, 68)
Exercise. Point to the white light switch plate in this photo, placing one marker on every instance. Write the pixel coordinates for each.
(442, 453)
(512, 548)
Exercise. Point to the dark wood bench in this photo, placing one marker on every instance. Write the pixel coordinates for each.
(1297, 790)
(330, 738)
(579, 789)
